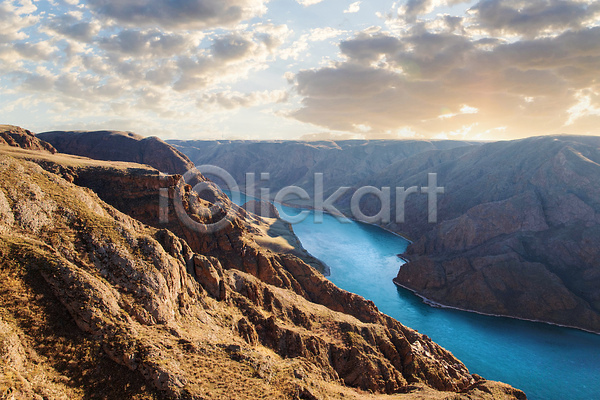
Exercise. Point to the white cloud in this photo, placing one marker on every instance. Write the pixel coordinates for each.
(296, 50)
(320, 34)
(14, 17)
(583, 108)
(353, 8)
(307, 3)
(465, 109)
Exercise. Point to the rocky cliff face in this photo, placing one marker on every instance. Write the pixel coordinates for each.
(120, 146)
(97, 303)
(517, 233)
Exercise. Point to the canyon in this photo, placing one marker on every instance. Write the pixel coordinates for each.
(107, 291)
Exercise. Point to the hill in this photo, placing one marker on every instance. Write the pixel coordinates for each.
(120, 146)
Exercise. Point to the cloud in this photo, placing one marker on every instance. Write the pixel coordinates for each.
(38, 82)
(233, 100)
(71, 85)
(370, 47)
(35, 51)
(343, 81)
(584, 107)
(353, 8)
(15, 16)
(143, 70)
(532, 18)
(232, 47)
(432, 82)
(70, 26)
(413, 8)
(229, 58)
(320, 34)
(307, 3)
(188, 14)
(506, 68)
(148, 43)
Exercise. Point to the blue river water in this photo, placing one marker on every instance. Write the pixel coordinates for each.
(545, 361)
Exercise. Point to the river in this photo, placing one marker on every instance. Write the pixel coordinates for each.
(546, 362)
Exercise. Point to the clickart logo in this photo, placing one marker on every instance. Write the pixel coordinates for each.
(316, 205)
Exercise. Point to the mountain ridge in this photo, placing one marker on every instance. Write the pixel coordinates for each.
(120, 146)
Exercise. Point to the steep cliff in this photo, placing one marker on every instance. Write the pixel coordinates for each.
(96, 303)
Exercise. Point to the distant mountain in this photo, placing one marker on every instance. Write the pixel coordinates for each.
(518, 231)
(120, 146)
(18, 137)
(102, 298)
(342, 163)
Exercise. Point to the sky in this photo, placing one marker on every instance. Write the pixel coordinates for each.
(302, 69)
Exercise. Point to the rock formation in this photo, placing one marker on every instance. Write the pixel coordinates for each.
(97, 303)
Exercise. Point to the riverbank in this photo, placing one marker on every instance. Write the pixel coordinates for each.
(436, 304)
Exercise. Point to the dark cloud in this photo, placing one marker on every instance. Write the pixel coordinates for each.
(368, 48)
(533, 17)
(38, 82)
(231, 47)
(567, 49)
(343, 81)
(34, 51)
(69, 26)
(233, 100)
(198, 14)
(151, 43)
